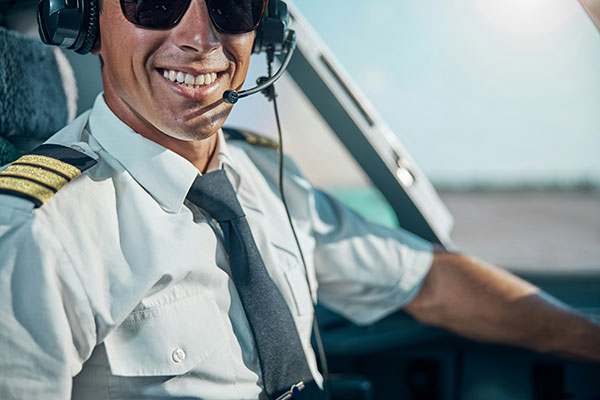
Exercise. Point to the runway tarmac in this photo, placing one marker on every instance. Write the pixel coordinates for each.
(523, 230)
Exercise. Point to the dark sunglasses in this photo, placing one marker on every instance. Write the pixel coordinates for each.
(228, 16)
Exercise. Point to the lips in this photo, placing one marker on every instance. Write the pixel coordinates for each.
(195, 84)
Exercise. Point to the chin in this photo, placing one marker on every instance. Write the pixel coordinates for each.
(204, 125)
(197, 136)
(192, 124)
(194, 132)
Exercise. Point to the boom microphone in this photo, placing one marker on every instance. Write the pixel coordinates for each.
(232, 96)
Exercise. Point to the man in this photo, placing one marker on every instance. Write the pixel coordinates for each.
(121, 286)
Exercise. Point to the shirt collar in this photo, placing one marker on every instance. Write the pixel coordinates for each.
(164, 174)
(226, 161)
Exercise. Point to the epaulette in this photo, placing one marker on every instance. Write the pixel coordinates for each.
(38, 175)
(249, 137)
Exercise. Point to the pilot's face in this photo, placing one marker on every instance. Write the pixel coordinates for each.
(140, 65)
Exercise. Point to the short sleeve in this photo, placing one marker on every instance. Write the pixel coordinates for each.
(46, 324)
(365, 271)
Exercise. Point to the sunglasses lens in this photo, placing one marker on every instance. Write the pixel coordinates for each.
(154, 14)
(236, 16)
(229, 16)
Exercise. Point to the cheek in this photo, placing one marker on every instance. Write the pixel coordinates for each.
(122, 45)
(126, 61)
(240, 48)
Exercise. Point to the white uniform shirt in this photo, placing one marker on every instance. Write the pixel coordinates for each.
(118, 288)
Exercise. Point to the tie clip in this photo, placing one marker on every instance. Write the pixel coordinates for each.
(293, 393)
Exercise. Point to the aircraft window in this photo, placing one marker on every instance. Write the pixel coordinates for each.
(498, 103)
(312, 145)
(481, 92)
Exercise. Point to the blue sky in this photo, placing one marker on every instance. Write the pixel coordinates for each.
(501, 92)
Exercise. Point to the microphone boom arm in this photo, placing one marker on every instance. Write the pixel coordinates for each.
(232, 96)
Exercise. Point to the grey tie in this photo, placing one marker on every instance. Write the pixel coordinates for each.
(282, 359)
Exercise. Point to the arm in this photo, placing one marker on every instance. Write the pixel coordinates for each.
(42, 345)
(483, 302)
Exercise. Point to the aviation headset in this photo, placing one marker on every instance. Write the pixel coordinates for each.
(74, 24)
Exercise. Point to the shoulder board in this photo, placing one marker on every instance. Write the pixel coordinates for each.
(249, 137)
(38, 175)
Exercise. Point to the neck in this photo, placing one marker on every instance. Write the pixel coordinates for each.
(198, 152)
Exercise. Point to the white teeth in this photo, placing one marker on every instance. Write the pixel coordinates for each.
(188, 79)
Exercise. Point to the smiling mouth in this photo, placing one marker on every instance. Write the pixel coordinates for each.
(188, 80)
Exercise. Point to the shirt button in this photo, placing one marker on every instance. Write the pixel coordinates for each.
(178, 355)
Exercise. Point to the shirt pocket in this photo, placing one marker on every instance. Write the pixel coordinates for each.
(168, 340)
(295, 281)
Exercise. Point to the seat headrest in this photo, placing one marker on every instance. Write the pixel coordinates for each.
(37, 91)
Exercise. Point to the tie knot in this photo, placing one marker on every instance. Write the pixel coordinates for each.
(213, 193)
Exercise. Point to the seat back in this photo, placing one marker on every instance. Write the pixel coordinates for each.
(37, 89)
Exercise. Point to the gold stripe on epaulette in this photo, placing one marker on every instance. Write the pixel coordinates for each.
(38, 174)
(66, 169)
(267, 142)
(259, 140)
(29, 188)
(253, 138)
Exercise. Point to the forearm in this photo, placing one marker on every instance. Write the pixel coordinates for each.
(486, 303)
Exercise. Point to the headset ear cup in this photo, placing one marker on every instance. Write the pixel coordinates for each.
(272, 32)
(92, 30)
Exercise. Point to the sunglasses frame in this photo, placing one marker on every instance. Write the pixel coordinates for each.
(212, 20)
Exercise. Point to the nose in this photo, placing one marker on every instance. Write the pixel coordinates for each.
(195, 31)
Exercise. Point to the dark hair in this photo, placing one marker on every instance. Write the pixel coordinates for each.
(4, 7)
